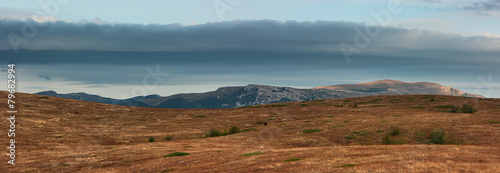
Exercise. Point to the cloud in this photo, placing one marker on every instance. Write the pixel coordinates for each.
(483, 7)
(250, 35)
(46, 77)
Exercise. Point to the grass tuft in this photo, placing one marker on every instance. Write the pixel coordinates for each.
(311, 130)
(176, 154)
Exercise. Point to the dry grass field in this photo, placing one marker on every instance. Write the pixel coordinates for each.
(338, 135)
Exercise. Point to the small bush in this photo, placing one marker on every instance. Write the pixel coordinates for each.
(176, 154)
(151, 139)
(169, 137)
(438, 136)
(213, 133)
(468, 109)
(464, 109)
(494, 122)
(395, 131)
(233, 130)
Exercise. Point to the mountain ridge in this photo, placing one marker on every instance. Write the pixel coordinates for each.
(253, 94)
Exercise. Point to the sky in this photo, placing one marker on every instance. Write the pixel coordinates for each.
(122, 49)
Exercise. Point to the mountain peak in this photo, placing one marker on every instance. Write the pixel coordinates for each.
(395, 87)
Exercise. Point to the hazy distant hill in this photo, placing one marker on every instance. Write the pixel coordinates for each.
(231, 97)
(135, 101)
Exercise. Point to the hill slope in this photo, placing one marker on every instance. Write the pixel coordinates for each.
(66, 135)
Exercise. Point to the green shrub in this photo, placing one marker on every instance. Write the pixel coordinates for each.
(233, 130)
(176, 154)
(438, 136)
(468, 109)
(213, 133)
(464, 109)
(151, 139)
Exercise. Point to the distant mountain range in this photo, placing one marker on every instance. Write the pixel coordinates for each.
(232, 97)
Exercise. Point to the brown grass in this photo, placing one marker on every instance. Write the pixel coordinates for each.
(91, 137)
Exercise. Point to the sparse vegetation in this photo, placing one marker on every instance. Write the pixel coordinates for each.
(252, 154)
(176, 154)
(168, 170)
(303, 105)
(44, 97)
(384, 121)
(64, 164)
(337, 126)
(494, 122)
(311, 130)
(291, 160)
(200, 116)
(215, 133)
